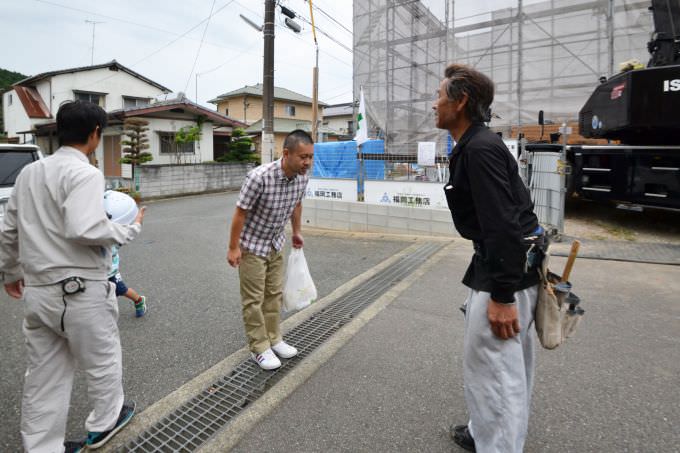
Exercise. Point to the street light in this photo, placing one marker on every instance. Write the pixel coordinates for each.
(251, 23)
(293, 25)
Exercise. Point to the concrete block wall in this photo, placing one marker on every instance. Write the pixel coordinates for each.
(363, 217)
(169, 180)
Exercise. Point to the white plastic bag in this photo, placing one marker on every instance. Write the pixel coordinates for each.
(298, 288)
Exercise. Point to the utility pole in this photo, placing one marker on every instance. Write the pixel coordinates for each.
(610, 38)
(315, 82)
(520, 62)
(268, 83)
(94, 25)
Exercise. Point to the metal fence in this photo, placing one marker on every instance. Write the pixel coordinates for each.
(546, 181)
(343, 160)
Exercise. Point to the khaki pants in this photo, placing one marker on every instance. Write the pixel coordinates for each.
(261, 298)
(90, 341)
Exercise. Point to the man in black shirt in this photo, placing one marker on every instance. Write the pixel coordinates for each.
(491, 207)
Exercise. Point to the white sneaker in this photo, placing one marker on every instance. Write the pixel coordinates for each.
(284, 350)
(267, 360)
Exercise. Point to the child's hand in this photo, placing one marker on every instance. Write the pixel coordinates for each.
(140, 215)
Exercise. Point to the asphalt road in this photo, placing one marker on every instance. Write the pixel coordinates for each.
(397, 385)
(194, 318)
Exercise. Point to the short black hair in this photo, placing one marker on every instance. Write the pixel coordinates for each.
(76, 120)
(296, 138)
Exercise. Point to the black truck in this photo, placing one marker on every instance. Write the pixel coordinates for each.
(640, 109)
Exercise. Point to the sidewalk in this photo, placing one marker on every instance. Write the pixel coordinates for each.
(397, 384)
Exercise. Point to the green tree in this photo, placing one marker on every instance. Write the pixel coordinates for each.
(135, 146)
(189, 134)
(240, 148)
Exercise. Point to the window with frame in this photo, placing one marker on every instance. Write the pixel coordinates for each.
(168, 145)
(290, 110)
(10, 100)
(95, 98)
(130, 102)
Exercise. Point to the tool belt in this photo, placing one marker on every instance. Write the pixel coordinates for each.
(557, 311)
(535, 246)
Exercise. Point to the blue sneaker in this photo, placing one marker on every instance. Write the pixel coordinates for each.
(96, 440)
(140, 307)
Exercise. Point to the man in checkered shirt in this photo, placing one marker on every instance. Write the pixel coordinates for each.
(271, 194)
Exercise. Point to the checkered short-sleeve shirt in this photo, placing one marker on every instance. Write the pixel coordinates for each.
(270, 198)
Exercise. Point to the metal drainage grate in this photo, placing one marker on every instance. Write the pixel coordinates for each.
(193, 423)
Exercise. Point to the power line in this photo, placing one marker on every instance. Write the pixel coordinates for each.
(248, 50)
(198, 52)
(126, 21)
(162, 47)
(304, 19)
(339, 95)
(331, 18)
(296, 36)
(183, 34)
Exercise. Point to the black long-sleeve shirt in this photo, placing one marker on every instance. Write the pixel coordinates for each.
(491, 206)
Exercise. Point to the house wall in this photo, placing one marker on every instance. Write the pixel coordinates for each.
(116, 83)
(302, 111)
(203, 151)
(337, 123)
(278, 144)
(58, 89)
(233, 108)
(15, 117)
(171, 180)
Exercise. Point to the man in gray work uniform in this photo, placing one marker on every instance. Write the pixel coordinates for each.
(55, 252)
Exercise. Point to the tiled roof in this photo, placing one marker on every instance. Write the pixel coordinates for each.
(282, 125)
(285, 125)
(112, 65)
(339, 110)
(256, 90)
(183, 104)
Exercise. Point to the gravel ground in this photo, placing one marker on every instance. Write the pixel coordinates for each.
(599, 221)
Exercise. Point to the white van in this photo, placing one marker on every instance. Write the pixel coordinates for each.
(12, 159)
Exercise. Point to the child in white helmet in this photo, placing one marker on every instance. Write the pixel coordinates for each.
(121, 208)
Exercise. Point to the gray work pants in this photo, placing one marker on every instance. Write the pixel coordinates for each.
(89, 340)
(498, 375)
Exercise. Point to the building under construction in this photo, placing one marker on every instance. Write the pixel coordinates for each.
(546, 55)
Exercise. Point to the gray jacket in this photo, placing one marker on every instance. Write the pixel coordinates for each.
(55, 226)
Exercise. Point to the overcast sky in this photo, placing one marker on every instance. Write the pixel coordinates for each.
(161, 39)
(155, 38)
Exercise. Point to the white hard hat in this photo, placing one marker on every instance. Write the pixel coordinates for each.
(120, 207)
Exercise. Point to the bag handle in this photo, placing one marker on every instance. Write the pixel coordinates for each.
(570, 261)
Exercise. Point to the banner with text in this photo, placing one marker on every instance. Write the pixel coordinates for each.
(405, 193)
(332, 189)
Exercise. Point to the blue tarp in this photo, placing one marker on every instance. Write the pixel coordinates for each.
(339, 160)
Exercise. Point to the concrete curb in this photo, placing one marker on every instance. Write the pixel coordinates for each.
(231, 435)
(163, 407)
